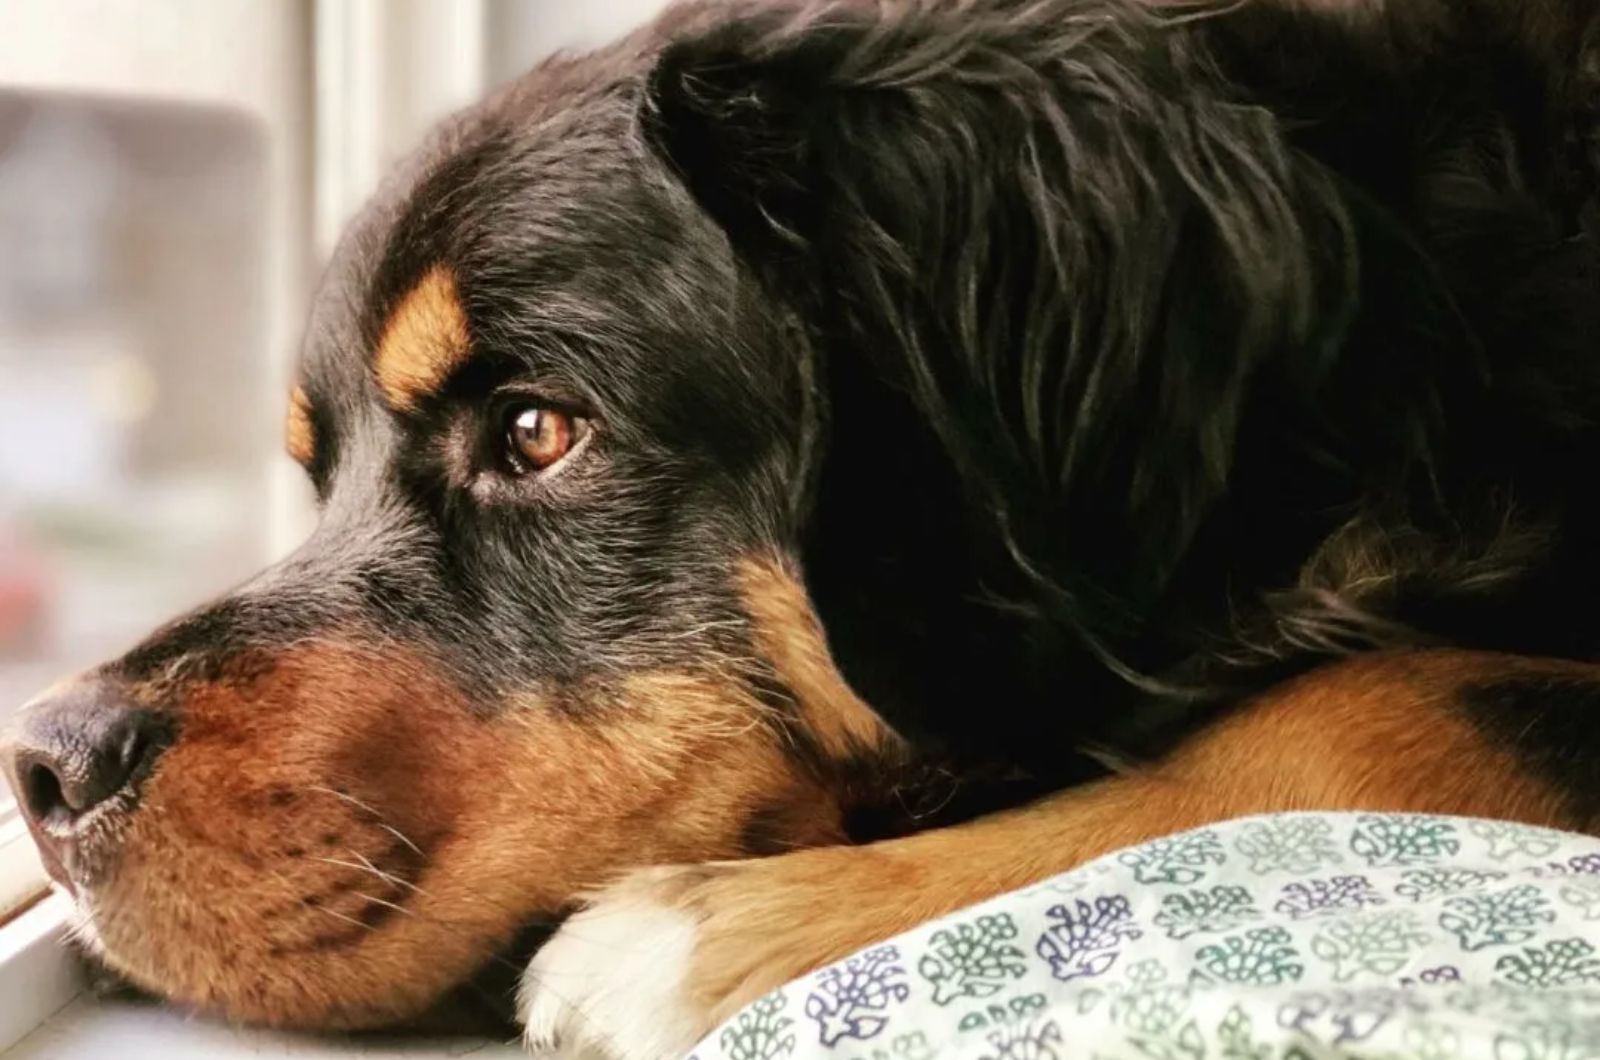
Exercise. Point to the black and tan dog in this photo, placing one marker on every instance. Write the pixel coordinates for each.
(796, 431)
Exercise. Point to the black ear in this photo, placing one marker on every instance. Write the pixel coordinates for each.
(1078, 246)
(739, 113)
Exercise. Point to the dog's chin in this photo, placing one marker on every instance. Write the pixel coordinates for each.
(484, 1005)
(481, 1006)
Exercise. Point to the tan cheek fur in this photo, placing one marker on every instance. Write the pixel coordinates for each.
(790, 638)
(301, 806)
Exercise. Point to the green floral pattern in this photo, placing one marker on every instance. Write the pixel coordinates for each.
(972, 958)
(1297, 937)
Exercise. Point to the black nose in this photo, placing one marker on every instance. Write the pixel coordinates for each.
(75, 750)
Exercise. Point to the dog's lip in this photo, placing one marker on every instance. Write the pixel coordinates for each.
(483, 1005)
(54, 866)
(74, 852)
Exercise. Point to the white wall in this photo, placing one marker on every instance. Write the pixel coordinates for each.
(248, 53)
(342, 87)
(521, 32)
(252, 55)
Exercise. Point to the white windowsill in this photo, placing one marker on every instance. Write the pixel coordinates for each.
(37, 975)
(95, 1030)
(44, 1015)
(22, 878)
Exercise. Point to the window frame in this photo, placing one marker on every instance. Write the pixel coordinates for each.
(346, 97)
(22, 877)
(267, 74)
(38, 975)
(348, 87)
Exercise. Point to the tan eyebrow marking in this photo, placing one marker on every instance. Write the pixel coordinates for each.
(424, 341)
(299, 433)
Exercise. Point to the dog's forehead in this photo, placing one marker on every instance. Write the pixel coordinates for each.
(538, 207)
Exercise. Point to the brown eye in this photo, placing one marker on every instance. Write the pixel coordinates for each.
(539, 436)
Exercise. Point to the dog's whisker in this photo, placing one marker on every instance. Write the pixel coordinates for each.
(375, 900)
(294, 892)
(367, 868)
(388, 877)
(363, 925)
(392, 830)
(345, 796)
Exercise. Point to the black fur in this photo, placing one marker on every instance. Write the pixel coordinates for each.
(1164, 355)
(1551, 722)
(1099, 364)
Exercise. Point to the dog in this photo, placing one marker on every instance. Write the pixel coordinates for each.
(864, 457)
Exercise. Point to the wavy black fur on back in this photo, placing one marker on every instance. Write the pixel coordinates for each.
(1167, 350)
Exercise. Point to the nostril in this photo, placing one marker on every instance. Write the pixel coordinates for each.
(126, 759)
(42, 794)
(146, 738)
(88, 748)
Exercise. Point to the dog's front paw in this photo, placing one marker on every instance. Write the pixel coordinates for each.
(657, 961)
(615, 981)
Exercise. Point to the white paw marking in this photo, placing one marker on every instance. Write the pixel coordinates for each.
(612, 982)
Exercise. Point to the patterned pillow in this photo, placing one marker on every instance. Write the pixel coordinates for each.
(1267, 938)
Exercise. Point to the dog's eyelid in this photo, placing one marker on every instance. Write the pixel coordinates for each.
(549, 392)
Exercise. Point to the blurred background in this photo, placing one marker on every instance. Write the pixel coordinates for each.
(172, 175)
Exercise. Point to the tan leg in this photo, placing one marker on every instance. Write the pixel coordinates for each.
(1379, 733)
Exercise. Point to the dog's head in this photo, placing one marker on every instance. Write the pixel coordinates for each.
(631, 366)
(550, 625)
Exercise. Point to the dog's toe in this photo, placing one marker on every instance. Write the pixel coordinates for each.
(612, 984)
